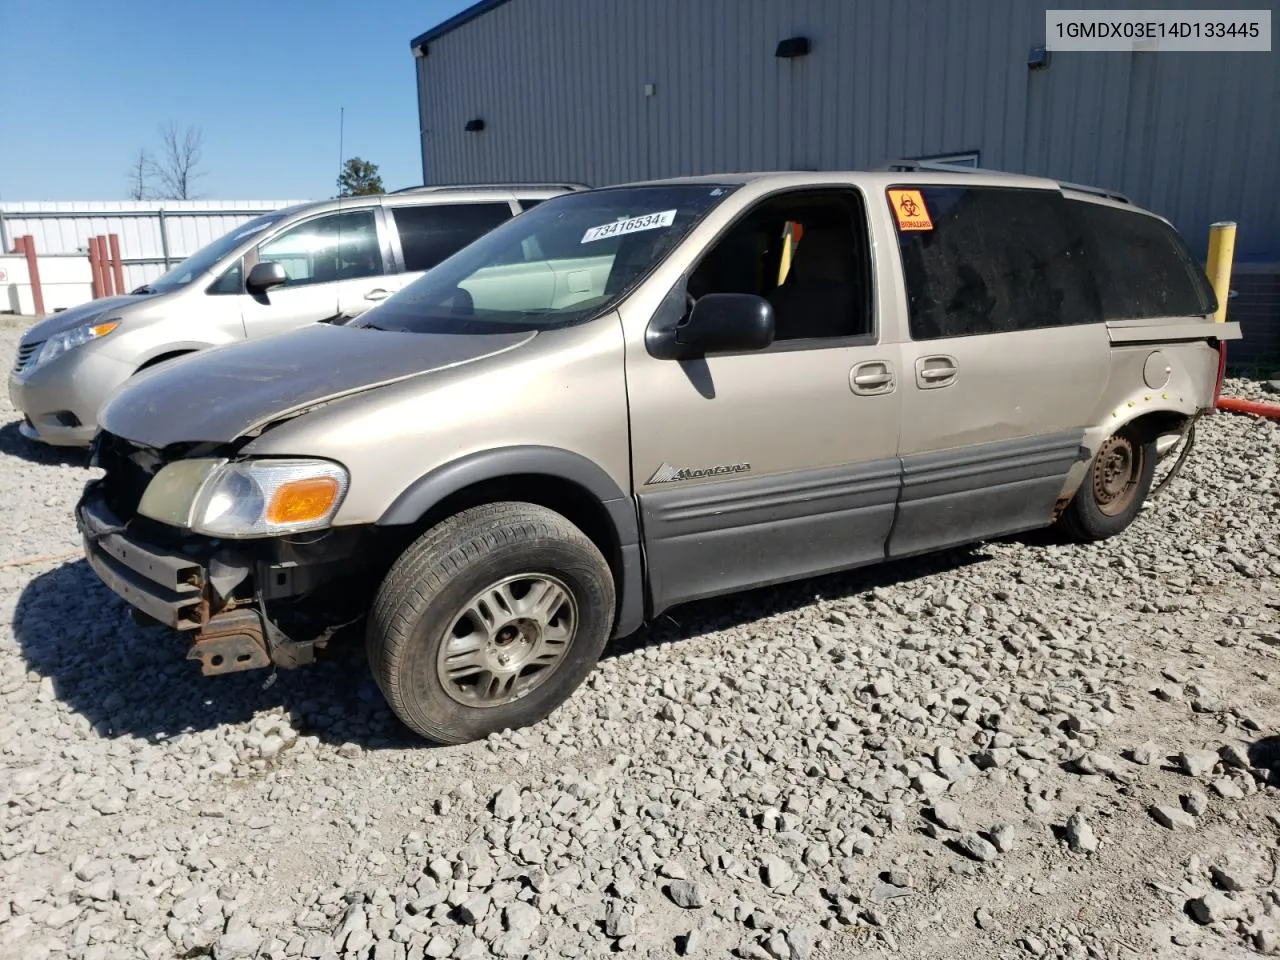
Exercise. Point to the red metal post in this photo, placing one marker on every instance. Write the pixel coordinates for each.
(20, 247)
(95, 267)
(116, 264)
(108, 285)
(33, 273)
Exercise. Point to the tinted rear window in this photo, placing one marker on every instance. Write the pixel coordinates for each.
(1144, 268)
(992, 260)
(431, 234)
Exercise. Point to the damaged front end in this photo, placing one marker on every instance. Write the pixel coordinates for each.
(247, 604)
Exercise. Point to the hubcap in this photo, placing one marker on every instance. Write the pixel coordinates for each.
(1115, 475)
(508, 639)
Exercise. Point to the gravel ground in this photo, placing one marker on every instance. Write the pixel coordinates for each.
(1016, 750)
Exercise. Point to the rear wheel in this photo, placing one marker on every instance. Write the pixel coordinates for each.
(489, 621)
(1113, 489)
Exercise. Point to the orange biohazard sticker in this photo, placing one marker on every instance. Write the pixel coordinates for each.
(908, 207)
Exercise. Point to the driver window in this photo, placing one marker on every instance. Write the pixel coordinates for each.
(808, 254)
(339, 246)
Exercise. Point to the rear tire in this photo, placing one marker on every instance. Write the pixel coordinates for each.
(1113, 489)
(489, 621)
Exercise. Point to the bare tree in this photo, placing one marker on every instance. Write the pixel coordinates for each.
(141, 170)
(179, 165)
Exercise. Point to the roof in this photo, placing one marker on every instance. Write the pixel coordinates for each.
(454, 22)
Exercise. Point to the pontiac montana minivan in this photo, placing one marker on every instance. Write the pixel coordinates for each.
(636, 396)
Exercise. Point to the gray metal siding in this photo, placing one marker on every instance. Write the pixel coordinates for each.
(559, 84)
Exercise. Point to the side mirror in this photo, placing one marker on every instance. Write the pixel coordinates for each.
(265, 275)
(725, 323)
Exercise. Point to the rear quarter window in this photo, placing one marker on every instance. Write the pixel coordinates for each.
(980, 260)
(1144, 268)
(430, 234)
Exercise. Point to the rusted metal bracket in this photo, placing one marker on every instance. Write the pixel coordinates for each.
(245, 639)
(229, 643)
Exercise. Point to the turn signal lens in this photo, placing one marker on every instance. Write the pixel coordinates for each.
(102, 329)
(302, 501)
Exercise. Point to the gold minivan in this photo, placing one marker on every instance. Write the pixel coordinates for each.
(636, 396)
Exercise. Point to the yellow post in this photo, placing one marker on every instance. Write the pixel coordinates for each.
(1222, 248)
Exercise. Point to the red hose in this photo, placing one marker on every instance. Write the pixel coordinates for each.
(1271, 410)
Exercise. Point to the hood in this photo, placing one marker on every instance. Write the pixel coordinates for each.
(220, 394)
(74, 316)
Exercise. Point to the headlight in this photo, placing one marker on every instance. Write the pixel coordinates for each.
(60, 343)
(248, 498)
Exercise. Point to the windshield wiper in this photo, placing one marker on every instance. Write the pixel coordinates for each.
(145, 288)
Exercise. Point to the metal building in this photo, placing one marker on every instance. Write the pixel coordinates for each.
(605, 91)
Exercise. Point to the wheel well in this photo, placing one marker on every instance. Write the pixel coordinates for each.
(171, 355)
(1149, 426)
(573, 502)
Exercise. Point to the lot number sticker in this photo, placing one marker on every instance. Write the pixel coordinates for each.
(649, 221)
(909, 208)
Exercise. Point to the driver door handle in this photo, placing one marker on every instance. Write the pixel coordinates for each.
(936, 371)
(377, 294)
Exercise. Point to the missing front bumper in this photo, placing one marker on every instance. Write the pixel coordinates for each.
(182, 593)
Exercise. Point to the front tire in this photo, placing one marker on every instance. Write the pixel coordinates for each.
(489, 621)
(1113, 489)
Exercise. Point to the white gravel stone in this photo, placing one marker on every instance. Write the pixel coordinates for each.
(507, 803)
(776, 872)
(1080, 835)
(976, 848)
(1213, 907)
(1198, 763)
(1172, 818)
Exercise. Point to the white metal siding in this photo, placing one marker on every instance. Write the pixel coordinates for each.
(559, 84)
(136, 222)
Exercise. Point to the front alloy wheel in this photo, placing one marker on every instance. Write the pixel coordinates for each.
(509, 639)
(489, 621)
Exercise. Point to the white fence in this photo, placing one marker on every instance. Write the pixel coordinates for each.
(154, 234)
(66, 281)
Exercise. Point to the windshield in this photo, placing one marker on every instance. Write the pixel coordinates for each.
(564, 261)
(206, 257)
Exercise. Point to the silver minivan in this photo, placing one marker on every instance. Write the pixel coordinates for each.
(326, 261)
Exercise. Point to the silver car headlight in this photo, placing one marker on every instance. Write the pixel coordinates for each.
(68, 340)
(246, 498)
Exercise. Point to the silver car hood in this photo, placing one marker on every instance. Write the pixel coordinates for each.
(220, 394)
(74, 316)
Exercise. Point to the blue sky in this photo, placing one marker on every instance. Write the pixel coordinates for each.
(87, 83)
